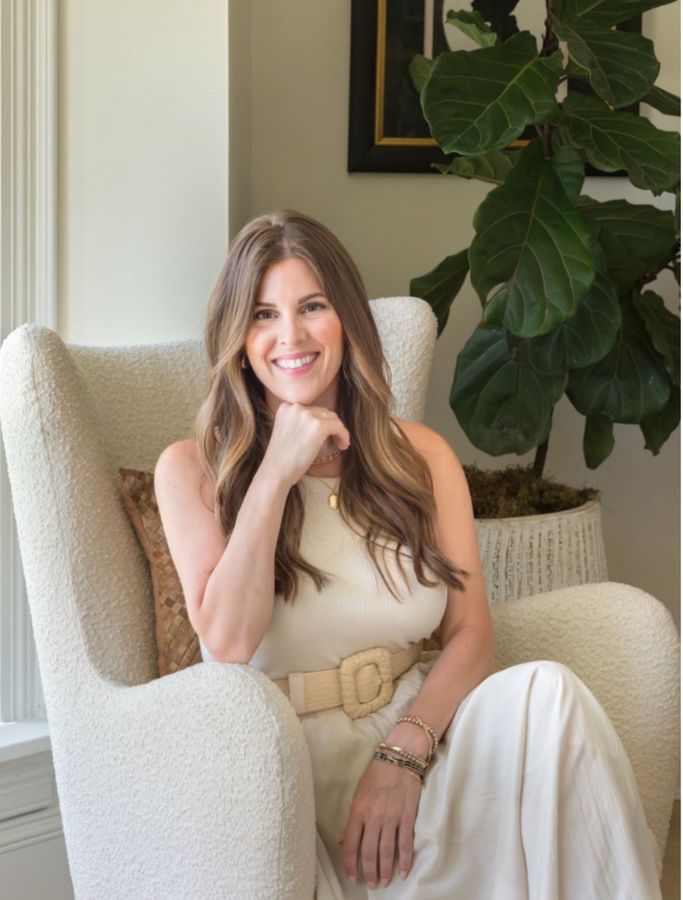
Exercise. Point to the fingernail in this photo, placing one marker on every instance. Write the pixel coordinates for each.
(384, 882)
(352, 878)
(372, 884)
(403, 874)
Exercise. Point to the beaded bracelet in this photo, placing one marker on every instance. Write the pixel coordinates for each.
(403, 764)
(431, 734)
(402, 757)
(406, 754)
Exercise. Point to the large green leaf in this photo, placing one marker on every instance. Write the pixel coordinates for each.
(420, 69)
(473, 25)
(659, 427)
(501, 401)
(598, 440)
(439, 286)
(480, 100)
(664, 101)
(569, 168)
(621, 65)
(531, 239)
(636, 238)
(589, 334)
(497, 13)
(620, 140)
(603, 12)
(664, 329)
(492, 167)
(630, 383)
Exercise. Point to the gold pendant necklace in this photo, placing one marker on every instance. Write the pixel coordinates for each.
(333, 499)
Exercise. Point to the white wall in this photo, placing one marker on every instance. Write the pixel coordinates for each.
(145, 215)
(36, 870)
(397, 226)
(143, 148)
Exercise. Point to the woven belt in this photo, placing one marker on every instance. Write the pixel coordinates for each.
(363, 683)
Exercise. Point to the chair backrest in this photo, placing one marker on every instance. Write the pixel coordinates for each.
(70, 416)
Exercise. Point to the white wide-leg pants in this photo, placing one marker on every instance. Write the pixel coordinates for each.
(530, 797)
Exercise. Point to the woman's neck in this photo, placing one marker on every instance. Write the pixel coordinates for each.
(330, 469)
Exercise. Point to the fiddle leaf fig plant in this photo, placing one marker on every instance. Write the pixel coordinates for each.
(561, 277)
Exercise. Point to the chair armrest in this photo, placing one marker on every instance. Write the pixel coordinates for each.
(623, 644)
(207, 785)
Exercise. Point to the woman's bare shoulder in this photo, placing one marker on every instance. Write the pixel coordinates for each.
(182, 454)
(182, 458)
(424, 439)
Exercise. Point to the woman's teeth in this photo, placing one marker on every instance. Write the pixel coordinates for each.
(295, 363)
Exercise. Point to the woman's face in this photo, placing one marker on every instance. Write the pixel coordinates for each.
(293, 318)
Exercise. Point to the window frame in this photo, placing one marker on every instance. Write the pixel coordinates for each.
(28, 293)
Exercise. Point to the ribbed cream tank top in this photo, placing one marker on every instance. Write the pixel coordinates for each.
(355, 611)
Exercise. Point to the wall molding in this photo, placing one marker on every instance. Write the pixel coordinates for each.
(28, 190)
(44, 825)
(28, 292)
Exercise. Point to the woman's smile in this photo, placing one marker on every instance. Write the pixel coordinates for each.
(298, 366)
(295, 343)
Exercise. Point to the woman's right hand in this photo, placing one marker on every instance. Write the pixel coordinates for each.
(298, 434)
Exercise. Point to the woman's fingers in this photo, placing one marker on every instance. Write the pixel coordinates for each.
(406, 842)
(368, 853)
(387, 851)
(350, 842)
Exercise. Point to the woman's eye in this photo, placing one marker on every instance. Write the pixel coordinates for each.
(313, 305)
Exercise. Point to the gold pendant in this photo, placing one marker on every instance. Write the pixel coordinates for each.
(334, 501)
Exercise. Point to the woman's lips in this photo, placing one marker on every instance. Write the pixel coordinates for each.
(299, 370)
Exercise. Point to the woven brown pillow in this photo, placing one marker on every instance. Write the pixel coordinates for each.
(177, 641)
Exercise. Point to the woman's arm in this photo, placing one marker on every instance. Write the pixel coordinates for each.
(466, 629)
(228, 585)
(384, 808)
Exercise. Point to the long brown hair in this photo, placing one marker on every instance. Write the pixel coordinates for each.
(386, 487)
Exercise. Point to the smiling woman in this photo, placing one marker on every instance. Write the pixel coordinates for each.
(413, 754)
(287, 327)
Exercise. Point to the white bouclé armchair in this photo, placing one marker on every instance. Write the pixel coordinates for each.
(198, 784)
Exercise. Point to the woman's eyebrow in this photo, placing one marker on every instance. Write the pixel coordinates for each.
(303, 300)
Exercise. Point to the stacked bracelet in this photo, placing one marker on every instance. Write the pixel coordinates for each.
(415, 768)
(398, 756)
(431, 735)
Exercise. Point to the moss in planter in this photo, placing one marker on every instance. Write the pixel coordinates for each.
(515, 491)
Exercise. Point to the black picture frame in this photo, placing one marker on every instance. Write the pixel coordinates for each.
(380, 138)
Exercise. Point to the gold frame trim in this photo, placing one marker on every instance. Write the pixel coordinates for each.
(382, 140)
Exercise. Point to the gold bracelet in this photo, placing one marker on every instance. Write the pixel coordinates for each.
(431, 734)
(403, 757)
(408, 764)
(405, 753)
(386, 758)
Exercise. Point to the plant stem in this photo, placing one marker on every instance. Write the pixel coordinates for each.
(539, 459)
(550, 41)
(673, 256)
(550, 45)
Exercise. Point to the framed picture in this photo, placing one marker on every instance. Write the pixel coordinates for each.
(387, 131)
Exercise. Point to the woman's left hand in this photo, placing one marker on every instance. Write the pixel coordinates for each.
(381, 820)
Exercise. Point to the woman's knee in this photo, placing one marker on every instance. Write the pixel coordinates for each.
(550, 674)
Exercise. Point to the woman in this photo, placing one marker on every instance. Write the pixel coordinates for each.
(315, 533)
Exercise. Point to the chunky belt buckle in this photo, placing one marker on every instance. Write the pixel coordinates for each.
(366, 681)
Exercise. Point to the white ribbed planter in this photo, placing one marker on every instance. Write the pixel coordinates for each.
(533, 554)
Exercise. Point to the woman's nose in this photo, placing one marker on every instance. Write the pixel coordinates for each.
(290, 329)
